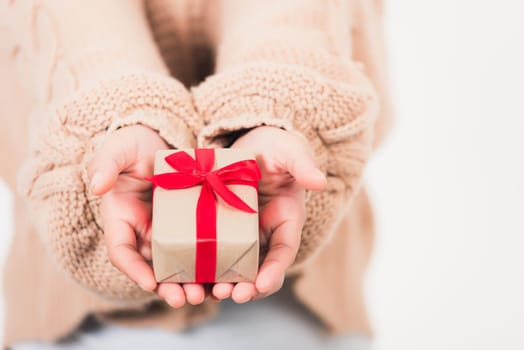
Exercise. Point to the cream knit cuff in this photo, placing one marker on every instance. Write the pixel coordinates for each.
(325, 111)
(335, 117)
(65, 213)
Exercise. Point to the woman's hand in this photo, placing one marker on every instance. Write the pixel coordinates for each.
(117, 172)
(287, 169)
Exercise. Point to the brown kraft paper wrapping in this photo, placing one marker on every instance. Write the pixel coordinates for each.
(174, 227)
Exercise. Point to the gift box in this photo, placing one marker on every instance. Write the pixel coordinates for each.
(205, 220)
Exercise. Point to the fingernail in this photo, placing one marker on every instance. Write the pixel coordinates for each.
(94, 181)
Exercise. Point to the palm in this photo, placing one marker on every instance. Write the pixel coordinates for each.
(127, 157)
(287, 169)
(277, 190)
(129, 201)
(118, 173)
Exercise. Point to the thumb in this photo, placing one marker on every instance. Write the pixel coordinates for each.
(300, 164)
(114, 157)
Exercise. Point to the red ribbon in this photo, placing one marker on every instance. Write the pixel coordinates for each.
(192, 172)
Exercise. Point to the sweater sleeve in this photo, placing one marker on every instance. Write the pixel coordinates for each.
(288, 64)
(90, 68)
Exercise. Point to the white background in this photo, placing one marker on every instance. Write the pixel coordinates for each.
(448, 270)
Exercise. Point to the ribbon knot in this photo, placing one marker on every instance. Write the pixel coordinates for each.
(192, 172)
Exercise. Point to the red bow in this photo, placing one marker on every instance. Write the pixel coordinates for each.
(191, 172)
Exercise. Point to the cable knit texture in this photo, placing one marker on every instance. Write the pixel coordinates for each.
(91, 67)
(56, 175)
(296, 77)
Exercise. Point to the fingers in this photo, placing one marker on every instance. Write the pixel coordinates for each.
(195, 293)
(122, 250)
(144, 248)
(300, 164)
(291, 152)
(176, 294)
(243, 292)
(283, 244)
(114, 157)
(172, 293)
(143, 230)
(272, 272)
(222, 290)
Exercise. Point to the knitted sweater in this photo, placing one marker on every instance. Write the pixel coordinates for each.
(197, 72)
